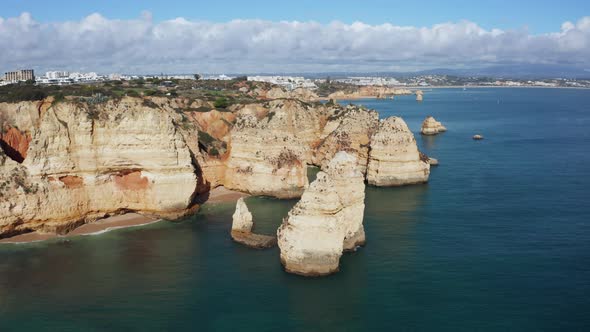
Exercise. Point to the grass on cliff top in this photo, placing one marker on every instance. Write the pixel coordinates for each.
(208, 90)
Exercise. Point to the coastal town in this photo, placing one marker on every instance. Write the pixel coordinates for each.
(289, 82)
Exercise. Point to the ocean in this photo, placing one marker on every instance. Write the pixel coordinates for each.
(499, 239)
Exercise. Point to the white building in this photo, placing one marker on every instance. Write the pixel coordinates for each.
(288, 82)
(52, 75)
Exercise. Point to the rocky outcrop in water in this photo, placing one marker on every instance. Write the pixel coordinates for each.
(394, 159)
(86, 161)
(432, 127)
(241, 229)
(326, 221)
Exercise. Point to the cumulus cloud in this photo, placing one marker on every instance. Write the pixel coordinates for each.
(144, 46)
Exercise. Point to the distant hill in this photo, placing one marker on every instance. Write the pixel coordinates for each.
(516, 71)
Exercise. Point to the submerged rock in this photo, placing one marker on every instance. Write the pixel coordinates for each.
(477, 137)
(432, 127)
(241, 230)
(433, 161)
(326, 221)
(394, 159)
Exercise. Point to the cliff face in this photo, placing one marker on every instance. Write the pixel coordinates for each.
(280, 93)
(394, 159)
(326, 221)
(347, 129)
(70, 162)
(270, 147)
(87, 161)
(369, 91)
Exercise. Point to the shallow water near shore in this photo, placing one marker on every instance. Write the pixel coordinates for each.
(499, 239)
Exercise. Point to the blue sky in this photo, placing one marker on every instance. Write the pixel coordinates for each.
(249, 36)
(539, 16)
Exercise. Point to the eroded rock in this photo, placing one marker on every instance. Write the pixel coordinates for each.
(432, 127)
(241, 230)
(394, 159)
(86, 162)
(326, 221)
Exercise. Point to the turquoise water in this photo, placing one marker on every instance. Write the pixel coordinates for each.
(499, 239)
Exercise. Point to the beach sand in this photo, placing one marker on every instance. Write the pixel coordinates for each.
(97, 227)
(220, 195)
(217, 195)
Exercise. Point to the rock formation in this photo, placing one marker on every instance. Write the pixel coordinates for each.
(394, 159)
(84, 162)
(14, 142)
(369, 91)
(419, 95)
(242, 218)
(347, 129)
(432, 161)
(73, 161)
(477, 137)
(241, 229)
(271, 146)
(432, 127)
(326, 221)
(298, 93)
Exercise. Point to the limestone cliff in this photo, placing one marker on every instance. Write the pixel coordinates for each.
(432, 127)
(280, 93)
(394, 159)
(87, 160)
(347, 129)
(369, 91)
(326, 221)
(271, 145)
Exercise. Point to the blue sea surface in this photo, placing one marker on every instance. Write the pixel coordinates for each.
(498, 240)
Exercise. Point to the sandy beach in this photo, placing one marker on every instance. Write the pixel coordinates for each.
(217, 195)
(97, 227)
(220, 195)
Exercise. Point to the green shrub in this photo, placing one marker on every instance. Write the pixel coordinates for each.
(132, 93)
(221, 102)
(205, 138)
(21, 92)
(150, 92)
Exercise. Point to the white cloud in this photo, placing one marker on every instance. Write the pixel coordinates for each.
(178, 45)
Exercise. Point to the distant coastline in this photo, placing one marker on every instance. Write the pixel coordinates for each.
(423, 88)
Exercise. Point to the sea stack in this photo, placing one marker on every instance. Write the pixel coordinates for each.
(326, 221)
(241, 229)
(432, 127)
(394, 159)
(419, 96)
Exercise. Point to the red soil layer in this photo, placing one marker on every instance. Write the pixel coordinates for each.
(131, 181)
(15, 143)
